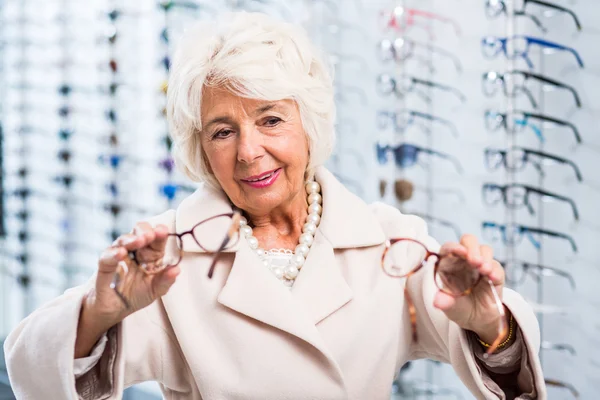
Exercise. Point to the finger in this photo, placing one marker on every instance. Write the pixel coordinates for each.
(443, 301)
(487, 254)
(162, 282)
(129, 241)
(472, 244)
(145, 230)
(497, 274)
(161, 234)
(109, 259)
(454, 248)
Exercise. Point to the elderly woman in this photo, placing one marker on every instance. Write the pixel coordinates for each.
(308, 297)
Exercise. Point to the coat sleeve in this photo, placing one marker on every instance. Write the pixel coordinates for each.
(441, 339)
(40, 350)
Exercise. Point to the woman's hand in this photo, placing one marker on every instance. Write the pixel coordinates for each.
(142, 289)
(477, 312)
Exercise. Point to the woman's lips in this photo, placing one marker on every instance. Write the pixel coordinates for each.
(264, 182)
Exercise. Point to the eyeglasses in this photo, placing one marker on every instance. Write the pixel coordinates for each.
(515, 82)
(386, 84)
(405, 118)
(562, 385)
(516, 195)
(494, 8)
(170, 190)
(407, 155)
(516, 121)
(516, 272)
(518, 47)
(403, 189)
(401, 18)
(218, 233)
(564, 347)
(512, 234)
(403, 257)
(402, 49)
(516, 158)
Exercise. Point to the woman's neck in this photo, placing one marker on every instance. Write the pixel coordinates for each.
(282, 226)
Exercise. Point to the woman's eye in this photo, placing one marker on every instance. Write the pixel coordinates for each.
(272, 121)
(223, 133)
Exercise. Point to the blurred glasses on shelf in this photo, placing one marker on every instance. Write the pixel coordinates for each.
(562, 347)
(170, 190)
(407, 155)
(400, 19)
(213, 235)
(403, 119)
(516, 159)
(517, 195)
(439, 221)
(403, 189)
(493, 9)
(387, 84)
(451, 277)
(515, 82)
(563, 385)
(402, 49)
(518, 46)
(517, 271)
(516, 121)
(512, 234)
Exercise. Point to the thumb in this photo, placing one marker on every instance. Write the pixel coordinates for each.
(443, 301)
(163, 281)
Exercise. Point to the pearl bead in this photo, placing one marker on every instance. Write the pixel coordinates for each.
(246, 231)
(278, 272)
(266, 263)
(243, 221)
(297, 260)
(314, 198)
(261, 253)
(309, 227)
(252, 242)
(301, 249)
(312, 187)
(315, 208)
(288, 283)
(314, 218)
(291, 272)
(306, 238)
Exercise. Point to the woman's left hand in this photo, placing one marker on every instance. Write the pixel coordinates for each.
(477, 312)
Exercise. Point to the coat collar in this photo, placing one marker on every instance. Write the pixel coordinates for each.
(347, 221)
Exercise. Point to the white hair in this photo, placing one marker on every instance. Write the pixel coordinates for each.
(255, 56)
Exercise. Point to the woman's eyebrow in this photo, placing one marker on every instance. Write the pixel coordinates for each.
(217, 120)
(267, 107)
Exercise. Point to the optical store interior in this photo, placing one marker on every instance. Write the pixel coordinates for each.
(479, 116)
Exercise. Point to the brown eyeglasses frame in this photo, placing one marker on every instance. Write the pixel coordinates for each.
(502, 329)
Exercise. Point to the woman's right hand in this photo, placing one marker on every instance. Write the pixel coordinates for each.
(142, 289)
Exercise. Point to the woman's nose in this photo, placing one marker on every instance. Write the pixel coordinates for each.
(250, 146)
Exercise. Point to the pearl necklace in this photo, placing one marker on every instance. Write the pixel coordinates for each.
(287, 274)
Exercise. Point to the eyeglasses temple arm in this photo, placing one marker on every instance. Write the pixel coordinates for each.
(557, 7)
(559, 122)
(557, 159)
(445, 156)
(568, 238)
(448, 54)
(556, 83)
(555, 196)
(553, 271)
(553, 45)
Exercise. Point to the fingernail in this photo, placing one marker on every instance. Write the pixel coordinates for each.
(114, 253)
(130, 240)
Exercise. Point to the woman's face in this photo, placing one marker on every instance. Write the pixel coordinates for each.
(257, 150)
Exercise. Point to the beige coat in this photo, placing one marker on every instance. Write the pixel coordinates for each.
(342, 332)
